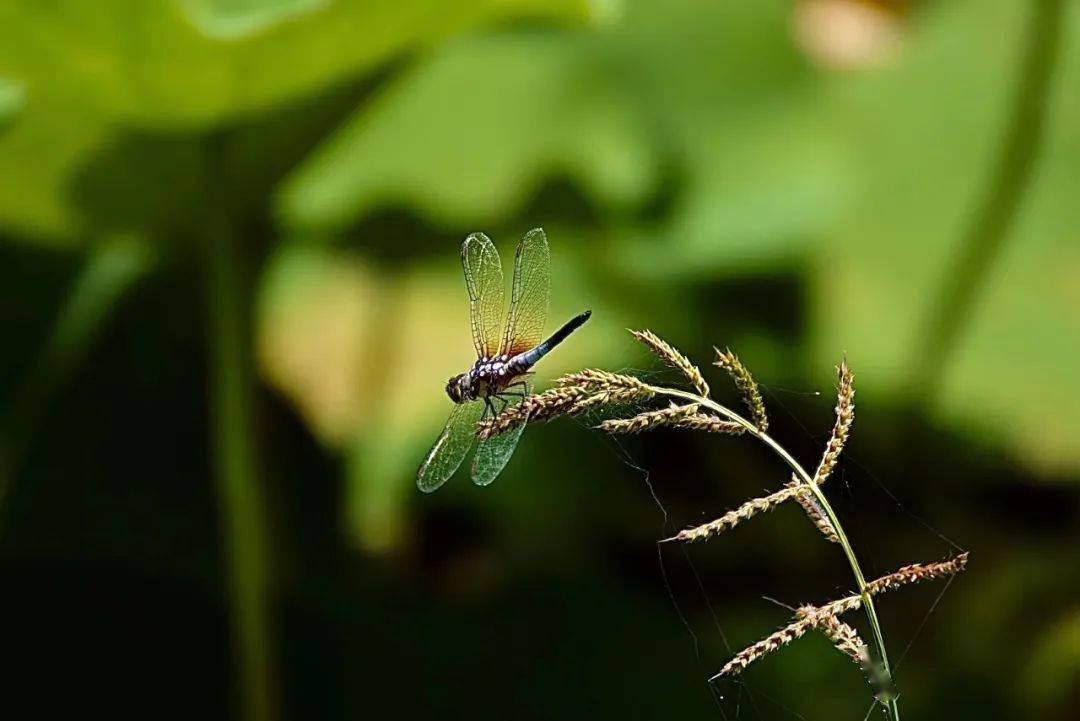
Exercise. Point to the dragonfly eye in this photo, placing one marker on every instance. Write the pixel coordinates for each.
(453, 389)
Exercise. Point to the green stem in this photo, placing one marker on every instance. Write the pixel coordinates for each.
(984, 239)
(241, 505)
(806, 479)
(112, 267)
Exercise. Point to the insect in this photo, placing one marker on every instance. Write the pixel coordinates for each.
(505, 354)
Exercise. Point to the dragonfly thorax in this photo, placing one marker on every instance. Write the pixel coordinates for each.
(489, 376)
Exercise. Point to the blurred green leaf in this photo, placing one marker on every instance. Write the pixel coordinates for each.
(11, 98)
(236, 18)
(1053, 668)
(111, 269)
(1017, 356)
(93, 71)
(427, 141)
(712, 93)
(151, 65)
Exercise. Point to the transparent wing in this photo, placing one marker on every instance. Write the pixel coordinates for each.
(492, 454)
(529, 298)
(449, 451)
(484, 279)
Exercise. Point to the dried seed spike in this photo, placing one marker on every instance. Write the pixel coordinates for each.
(840, 606)
(669, 355)
(649, 419)
(603, 381)
(846, 640)
(593, 401)
(746, 384)
(710, 424)
(534, 408)
(817, 516)
(845, 415)
(814, 512)
(734, 517)
(917, 572)
(810, 617)
(564, 400)
(612, 397)
(770, 643)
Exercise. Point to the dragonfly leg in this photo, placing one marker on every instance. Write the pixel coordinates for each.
(507, 394)
(488, 408)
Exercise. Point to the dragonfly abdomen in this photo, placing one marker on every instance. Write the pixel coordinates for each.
(522, 362)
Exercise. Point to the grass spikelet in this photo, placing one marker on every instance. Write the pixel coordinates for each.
(847, 641)
(611, 397)
(598, 380)
(650, 419)
(765, 646)
(845, 415)
(673, 358)
(918, 572)
(535, 408)
(807, 619)
(709, 424)
(815, 513)
(565, 400)
(736, 516)
(811, 617)
(747, 386)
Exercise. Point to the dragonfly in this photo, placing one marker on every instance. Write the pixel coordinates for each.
(507, 347)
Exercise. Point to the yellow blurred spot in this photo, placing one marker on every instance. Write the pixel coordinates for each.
(316, 315)
(846, 34)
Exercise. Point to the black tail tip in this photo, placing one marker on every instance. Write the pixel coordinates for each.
(585, 316)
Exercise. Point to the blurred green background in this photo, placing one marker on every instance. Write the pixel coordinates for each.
(231, 297)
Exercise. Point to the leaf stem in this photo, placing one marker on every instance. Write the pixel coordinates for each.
(242, 512)
(983, 240)
(893, 710)
(113, 266)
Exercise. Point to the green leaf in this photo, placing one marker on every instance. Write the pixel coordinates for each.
(470, 134)
(928, 165)
(237, 18)
(41, 150)
(96, 72)
(150, 64)
(12, 96)
(1052, 670)
(709, 92)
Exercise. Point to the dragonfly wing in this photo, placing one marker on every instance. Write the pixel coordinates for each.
(484, 280)
(449, 451)
(493, 453)
(529, 297)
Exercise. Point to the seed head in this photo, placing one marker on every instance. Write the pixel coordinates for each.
(736, 516)
(814, 511)
(747, 386)
(845, 416)
(674, 358)
(650, 419)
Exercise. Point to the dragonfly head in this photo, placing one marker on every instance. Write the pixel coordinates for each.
(458, 388)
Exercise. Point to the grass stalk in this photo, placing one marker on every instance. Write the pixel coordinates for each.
(891, 706)
(242, 512)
